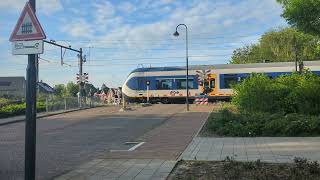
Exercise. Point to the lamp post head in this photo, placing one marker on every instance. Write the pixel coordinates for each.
(176, 33)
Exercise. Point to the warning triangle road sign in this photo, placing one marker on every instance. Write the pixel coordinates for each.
(27, 27)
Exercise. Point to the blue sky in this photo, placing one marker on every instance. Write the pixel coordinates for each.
(118, 36)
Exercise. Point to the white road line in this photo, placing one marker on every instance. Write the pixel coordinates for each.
(131, 149)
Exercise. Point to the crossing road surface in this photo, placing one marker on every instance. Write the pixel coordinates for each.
(67, 140)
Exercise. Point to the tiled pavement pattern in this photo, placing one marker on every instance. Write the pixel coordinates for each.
(153, 160)
(112, 169)
(68, 140)
(268, 149)
(167, 141)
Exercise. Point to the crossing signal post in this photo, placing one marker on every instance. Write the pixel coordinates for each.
(81, 80)
(80, 55)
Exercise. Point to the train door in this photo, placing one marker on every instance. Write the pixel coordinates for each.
(212, 84)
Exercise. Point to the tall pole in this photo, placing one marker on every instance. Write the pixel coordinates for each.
(31, 109)
(147, 93)
(81, 79)
(187, 62)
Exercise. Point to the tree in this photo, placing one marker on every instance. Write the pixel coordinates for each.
(247, 54)
(60, 90)
(280, 45)
(302, 14)
(72, 89)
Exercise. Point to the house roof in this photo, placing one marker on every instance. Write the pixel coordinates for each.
(45, 87)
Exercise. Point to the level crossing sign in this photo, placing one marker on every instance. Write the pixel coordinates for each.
(28, 34)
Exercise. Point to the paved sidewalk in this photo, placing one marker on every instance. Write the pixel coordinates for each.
(268, 149)
(132, 169)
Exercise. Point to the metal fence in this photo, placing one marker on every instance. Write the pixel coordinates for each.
(59, 104)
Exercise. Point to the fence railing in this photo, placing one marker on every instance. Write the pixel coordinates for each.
(58, 104)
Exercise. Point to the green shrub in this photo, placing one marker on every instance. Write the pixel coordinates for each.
(227, 123)
(4, 101)
(18, 109)
(296, 93)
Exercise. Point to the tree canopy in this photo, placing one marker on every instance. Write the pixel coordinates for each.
(302, 14)
(60, 90)
(72, 89)
(279, 45)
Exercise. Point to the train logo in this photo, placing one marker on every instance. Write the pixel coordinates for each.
(173, 93)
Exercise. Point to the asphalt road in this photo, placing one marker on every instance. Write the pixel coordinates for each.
(68, 140)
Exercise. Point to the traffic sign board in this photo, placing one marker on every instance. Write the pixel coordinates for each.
(27, 47)
(27, 27)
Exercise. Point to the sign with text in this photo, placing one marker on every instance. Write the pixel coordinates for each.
(27, 47)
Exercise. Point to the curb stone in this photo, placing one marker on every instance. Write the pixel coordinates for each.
(43, 116)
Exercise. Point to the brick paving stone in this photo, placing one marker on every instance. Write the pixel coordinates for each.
(158, 155)
(169, 140)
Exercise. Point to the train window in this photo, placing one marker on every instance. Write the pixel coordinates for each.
(230, 79)
(133, 83)
(141, 83)
(181, 84)
(164, 83)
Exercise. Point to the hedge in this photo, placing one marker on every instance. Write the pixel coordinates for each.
(18, 109)
(296, 93)
(285, 106)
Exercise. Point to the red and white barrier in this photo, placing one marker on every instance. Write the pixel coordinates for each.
(201, 101)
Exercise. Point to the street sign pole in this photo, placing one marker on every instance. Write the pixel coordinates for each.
(31, 110)
(30, 128)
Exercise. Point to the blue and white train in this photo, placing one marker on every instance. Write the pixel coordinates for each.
(168, 84)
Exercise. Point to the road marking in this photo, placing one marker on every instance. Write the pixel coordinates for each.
(136, 146)
(131, 149)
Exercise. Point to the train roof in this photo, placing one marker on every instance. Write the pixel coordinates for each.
(225, 66)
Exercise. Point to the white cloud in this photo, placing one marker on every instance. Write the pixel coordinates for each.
(46, 7)
(49, 7)
(127, 7)
(12, 4)
(79, 28)
(103, 11)
(167, 1)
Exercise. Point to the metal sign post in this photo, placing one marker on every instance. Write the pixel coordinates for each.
(31, 110)
(148, 84)
(27, 39)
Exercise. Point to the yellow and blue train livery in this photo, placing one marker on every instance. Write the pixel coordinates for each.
(168, 84)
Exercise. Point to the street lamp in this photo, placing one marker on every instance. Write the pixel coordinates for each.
(187, 62)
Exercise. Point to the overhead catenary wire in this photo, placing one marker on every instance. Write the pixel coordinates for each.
(156, 40)
(164, 44)
(156, 58)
